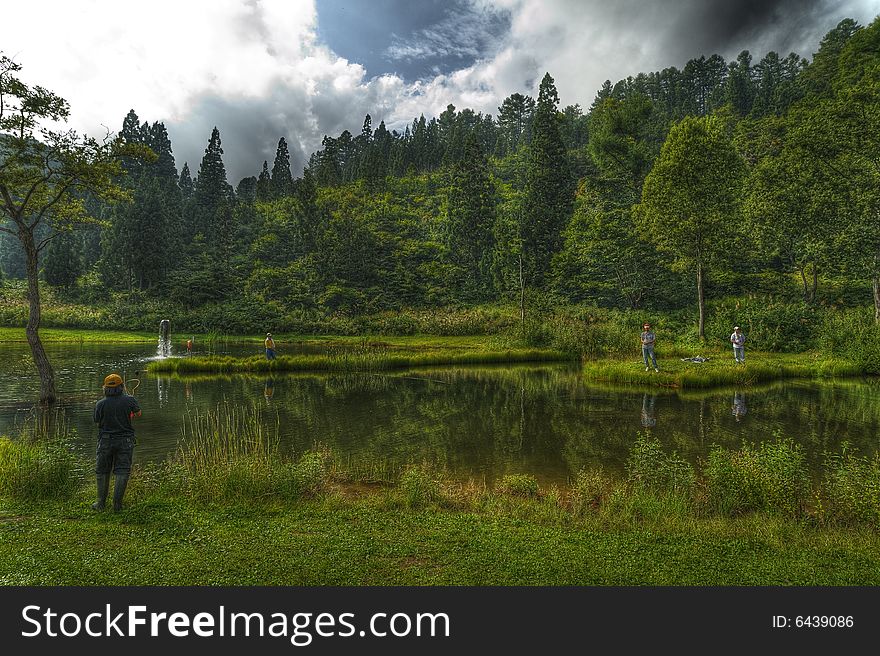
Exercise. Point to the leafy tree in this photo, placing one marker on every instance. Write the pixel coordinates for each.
(690, 198)
(740, 87)
(819, 75)
(789, 220)
(44, 175)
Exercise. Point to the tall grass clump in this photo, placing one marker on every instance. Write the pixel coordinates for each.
(771, 478)
(38, 469)
(519, 485)
(228, 454)
(232, 454)
(589, 491)
(852, 488)
(307, 477)
(420, 486)
(650, 467)
(854, 336)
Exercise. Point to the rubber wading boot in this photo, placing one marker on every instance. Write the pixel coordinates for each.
(103, 488)
(119, 491)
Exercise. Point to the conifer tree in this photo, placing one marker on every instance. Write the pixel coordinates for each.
(549, 197)
(282, 180)
(62, 262)
(186, 183)
(163, 168)
(470, 219)
(264, 184)
(211, 188)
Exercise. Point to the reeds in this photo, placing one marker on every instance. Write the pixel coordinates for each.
(233, 454)
(40, 462)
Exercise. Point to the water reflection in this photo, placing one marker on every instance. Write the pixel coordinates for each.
(269, 389)
(479, 422)
(739, 405)
(163, 383)
(649, 419)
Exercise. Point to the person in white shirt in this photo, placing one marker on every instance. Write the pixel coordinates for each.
(647, 338)
(738, 339)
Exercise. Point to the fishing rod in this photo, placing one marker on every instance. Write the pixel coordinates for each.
(136, 381)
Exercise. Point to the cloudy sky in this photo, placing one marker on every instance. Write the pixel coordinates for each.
(263, 69)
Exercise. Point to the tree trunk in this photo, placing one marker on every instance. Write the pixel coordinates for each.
(875, 282)
(522, 295)
(803, 272)
(44, 367)
(701, 302)
(815, 288)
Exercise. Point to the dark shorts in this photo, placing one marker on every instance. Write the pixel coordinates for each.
(114, 454)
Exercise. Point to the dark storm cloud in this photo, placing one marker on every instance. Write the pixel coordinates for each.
(673, 31)
(728, 26)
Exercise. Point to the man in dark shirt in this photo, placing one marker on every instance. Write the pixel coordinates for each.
(116, 440)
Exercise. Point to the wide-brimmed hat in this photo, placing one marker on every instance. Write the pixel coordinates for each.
(113, 380)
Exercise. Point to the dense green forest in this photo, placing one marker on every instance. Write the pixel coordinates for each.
(717, 181)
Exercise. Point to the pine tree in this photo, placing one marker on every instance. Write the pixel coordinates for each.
(187, 188)
(549, 195)
(514, 123)
(131, 133)
(264, 184)
(163, 168)
(211, 188)
(62, 263)
(470, 219)
(282, 180)
(246, 191)
(740, 87)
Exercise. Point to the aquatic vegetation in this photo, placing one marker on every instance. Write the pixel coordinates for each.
(363, 360)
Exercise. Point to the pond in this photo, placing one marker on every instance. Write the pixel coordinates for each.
(478, 422)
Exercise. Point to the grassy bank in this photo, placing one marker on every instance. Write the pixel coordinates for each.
(719, 371)
(79, 336)
(230, 508)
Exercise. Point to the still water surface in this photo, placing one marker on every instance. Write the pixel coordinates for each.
(478, 422)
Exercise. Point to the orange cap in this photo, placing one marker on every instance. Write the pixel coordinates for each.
(113, 380)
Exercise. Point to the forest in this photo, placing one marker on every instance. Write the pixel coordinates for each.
(673, 190)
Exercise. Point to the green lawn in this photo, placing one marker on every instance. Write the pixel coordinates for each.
(366, 540)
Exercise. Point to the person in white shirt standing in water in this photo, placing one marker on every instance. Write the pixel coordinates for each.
(738, 339)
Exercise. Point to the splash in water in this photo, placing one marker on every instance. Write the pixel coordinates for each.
(164, 348)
